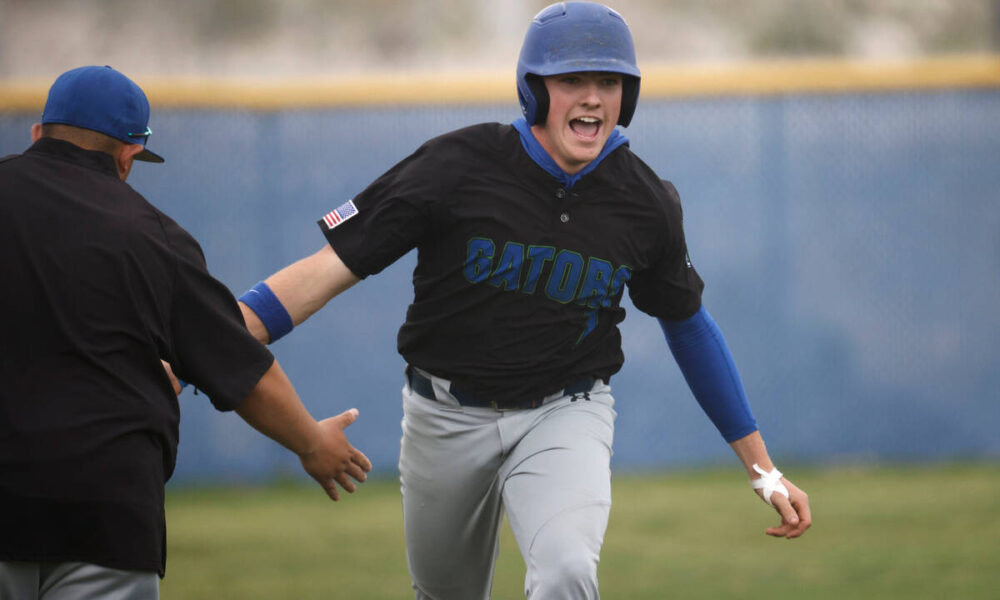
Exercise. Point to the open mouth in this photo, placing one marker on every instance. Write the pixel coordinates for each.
(586, 128)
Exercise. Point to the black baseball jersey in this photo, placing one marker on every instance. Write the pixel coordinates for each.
(518, 280)
(98, 286)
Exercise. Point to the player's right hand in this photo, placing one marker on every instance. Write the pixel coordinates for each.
(336, 461)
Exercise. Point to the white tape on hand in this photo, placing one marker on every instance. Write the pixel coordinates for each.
(769, 482)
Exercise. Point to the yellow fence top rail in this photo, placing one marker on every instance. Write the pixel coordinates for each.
(661, 81)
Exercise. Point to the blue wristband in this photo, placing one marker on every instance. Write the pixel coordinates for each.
(269, 309)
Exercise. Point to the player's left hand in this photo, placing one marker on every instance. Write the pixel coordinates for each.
(794, 511)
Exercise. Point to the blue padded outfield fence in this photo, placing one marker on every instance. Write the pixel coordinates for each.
(845, 218)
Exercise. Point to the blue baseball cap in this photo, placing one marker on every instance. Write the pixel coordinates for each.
(103, 100)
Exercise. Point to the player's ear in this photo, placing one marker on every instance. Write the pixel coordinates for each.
(36, 132)
(124, 157)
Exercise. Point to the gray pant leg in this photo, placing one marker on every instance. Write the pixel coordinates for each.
(448, 467)
(73, 581)
(19, 580)
(563, 556)
(557, 495)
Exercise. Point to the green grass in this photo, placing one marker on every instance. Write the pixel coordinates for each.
(879, 532)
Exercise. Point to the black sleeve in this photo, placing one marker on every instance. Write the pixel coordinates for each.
(671, 288)
(394, 214)
(211, 346)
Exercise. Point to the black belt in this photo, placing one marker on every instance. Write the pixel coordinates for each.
(423, 386)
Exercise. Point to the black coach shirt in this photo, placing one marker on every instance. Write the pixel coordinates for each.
(518, 280)
(98, 286)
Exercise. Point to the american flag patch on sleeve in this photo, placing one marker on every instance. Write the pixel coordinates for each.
(340, 214)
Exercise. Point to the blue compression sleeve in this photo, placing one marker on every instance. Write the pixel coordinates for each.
(704, 359)
(272, 313)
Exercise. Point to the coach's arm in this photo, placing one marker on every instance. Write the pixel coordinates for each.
(290, 296)
(273, 408)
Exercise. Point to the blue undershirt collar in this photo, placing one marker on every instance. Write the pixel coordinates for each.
(540, 156)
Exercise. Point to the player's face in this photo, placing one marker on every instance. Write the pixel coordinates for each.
(583, 111)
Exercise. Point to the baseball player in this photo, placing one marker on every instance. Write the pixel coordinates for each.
(527, 236)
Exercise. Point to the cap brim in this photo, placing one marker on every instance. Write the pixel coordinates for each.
(148, 156)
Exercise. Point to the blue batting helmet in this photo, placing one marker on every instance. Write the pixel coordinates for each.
(570, 37)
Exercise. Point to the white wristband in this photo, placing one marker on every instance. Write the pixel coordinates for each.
(769, 482)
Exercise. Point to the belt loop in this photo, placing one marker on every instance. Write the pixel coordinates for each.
(420, 384)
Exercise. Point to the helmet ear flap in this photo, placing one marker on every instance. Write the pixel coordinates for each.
(630, 98)
(541, 94)
(539, 100)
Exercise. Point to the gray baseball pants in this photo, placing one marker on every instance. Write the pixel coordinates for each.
(74, 581)
(461, 468)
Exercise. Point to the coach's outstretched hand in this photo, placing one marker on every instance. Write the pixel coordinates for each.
(274, 409)
(336, 460)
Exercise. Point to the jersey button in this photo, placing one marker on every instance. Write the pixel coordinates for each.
(564, 217)
(560, 193)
